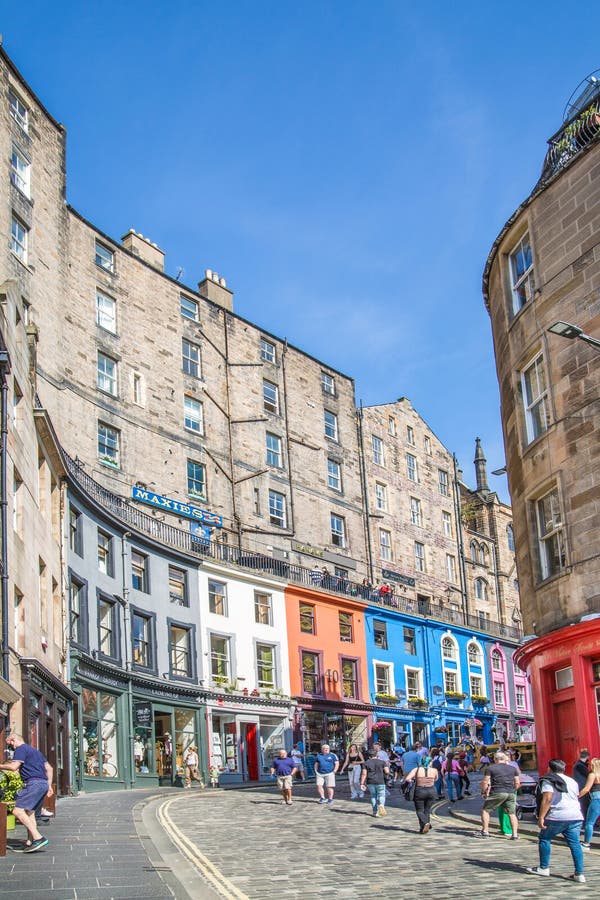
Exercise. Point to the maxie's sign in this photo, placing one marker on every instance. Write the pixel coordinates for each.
(176, 507)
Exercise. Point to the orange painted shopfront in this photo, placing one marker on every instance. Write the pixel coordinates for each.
(328, 669)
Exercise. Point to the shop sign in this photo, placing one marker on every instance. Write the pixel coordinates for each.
(307, 549)
(395, 576)
(167, 504)
(142, 714)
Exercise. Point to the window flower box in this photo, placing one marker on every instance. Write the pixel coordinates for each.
(386, 700)
(418, 703)
(479, 700)
(454, 695)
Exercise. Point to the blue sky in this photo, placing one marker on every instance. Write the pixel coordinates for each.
(345, 165)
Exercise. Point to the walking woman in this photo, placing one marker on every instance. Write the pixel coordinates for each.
(451, 770)
(354, 762)
(591, 787)
(425, 776)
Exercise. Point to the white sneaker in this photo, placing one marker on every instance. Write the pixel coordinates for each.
(578, 878)
(536, 870)
(381, 810)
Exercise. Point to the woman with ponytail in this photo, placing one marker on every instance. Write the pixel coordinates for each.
(425, 776)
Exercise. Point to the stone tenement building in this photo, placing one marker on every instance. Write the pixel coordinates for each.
(171, 471)
(544, 271)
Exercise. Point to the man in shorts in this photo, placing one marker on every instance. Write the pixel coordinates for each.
(36, 773)
(326, 765)
(499, 790)
(284, 767)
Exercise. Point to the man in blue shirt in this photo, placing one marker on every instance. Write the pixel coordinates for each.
(326, 765)
(284, 767)
(36, 773)
(411, 759)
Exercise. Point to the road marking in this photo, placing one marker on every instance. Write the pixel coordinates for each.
(213, 875)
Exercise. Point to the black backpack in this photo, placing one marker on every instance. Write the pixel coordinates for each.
(557, 783)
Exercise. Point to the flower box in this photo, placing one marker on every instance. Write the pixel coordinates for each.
(454, 695)
(479, 700)
(418, 703)
(386, 700)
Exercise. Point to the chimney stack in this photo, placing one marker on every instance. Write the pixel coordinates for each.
(215, 289)
(143, 247)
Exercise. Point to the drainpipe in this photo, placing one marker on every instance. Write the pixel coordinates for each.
(460, 543)
(4, 370)
(124, 602)
(363, 478)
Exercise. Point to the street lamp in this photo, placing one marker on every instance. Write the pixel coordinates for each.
(566, 330)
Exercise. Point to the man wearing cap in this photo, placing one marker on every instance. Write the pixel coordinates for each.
(37, 773)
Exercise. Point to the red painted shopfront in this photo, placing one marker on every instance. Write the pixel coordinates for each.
(564, 669)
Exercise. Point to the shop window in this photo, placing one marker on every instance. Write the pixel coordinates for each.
(100, 732)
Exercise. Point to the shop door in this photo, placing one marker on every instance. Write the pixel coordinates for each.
(566, 730)
(251, 746)
(164, 748)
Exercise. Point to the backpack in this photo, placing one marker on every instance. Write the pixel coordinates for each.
(557, 783)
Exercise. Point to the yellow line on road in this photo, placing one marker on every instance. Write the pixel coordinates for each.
(213, 875)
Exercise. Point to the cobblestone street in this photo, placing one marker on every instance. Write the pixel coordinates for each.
(245, 844)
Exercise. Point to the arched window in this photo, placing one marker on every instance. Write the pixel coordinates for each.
(474, 654)
(481, 589)
(497, 661)
(448, 648)
(483, 554)
(510, 537)
(474, 551)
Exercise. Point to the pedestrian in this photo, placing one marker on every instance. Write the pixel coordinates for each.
(373, 775)
(37, 774)
(484, 760)
(190, 772)
(382, 754)
(353, 762)
(395, 764)
(425, 776)
(591, 789)
(285, 768)
(410, 760)
(296, 755)
(452, 772)
(436, 762)
(463, 774)
(213, 774)
(581, 770)
(559, 813)
(499, 791)
(316, 576)
(326, 765)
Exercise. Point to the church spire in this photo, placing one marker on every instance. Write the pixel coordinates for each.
(480, 468)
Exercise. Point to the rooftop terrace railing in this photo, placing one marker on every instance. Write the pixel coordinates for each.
(195, 544)
(574, 137)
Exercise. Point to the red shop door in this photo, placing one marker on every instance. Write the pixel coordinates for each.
(566, 730)
(251, 752)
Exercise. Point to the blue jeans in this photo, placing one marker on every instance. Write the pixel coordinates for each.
(439, 784)
(570, 832)
(592, 814)
(377, 792)
(453, 782)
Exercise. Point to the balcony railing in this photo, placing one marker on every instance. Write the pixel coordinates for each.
(188, 542)
(573, 137)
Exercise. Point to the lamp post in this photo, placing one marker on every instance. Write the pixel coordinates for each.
(573, 332)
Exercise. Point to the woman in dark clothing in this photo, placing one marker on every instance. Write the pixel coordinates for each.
(425, 777)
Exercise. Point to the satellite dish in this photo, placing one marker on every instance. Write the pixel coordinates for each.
(586, 91)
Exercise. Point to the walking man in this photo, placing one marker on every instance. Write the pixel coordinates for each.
(37, 773)
(581, 770)
(373, 776)
(499, 790)
(559, 813)
(284, 767)
(326, 765)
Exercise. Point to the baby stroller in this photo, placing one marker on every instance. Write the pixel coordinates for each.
(526, 797)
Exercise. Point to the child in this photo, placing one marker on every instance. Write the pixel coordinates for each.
(484, 760)
(213, 773)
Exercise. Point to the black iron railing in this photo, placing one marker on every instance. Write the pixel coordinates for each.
(180, 539)
(574, 137)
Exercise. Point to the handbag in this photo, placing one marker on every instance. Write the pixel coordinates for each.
(408, 789)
